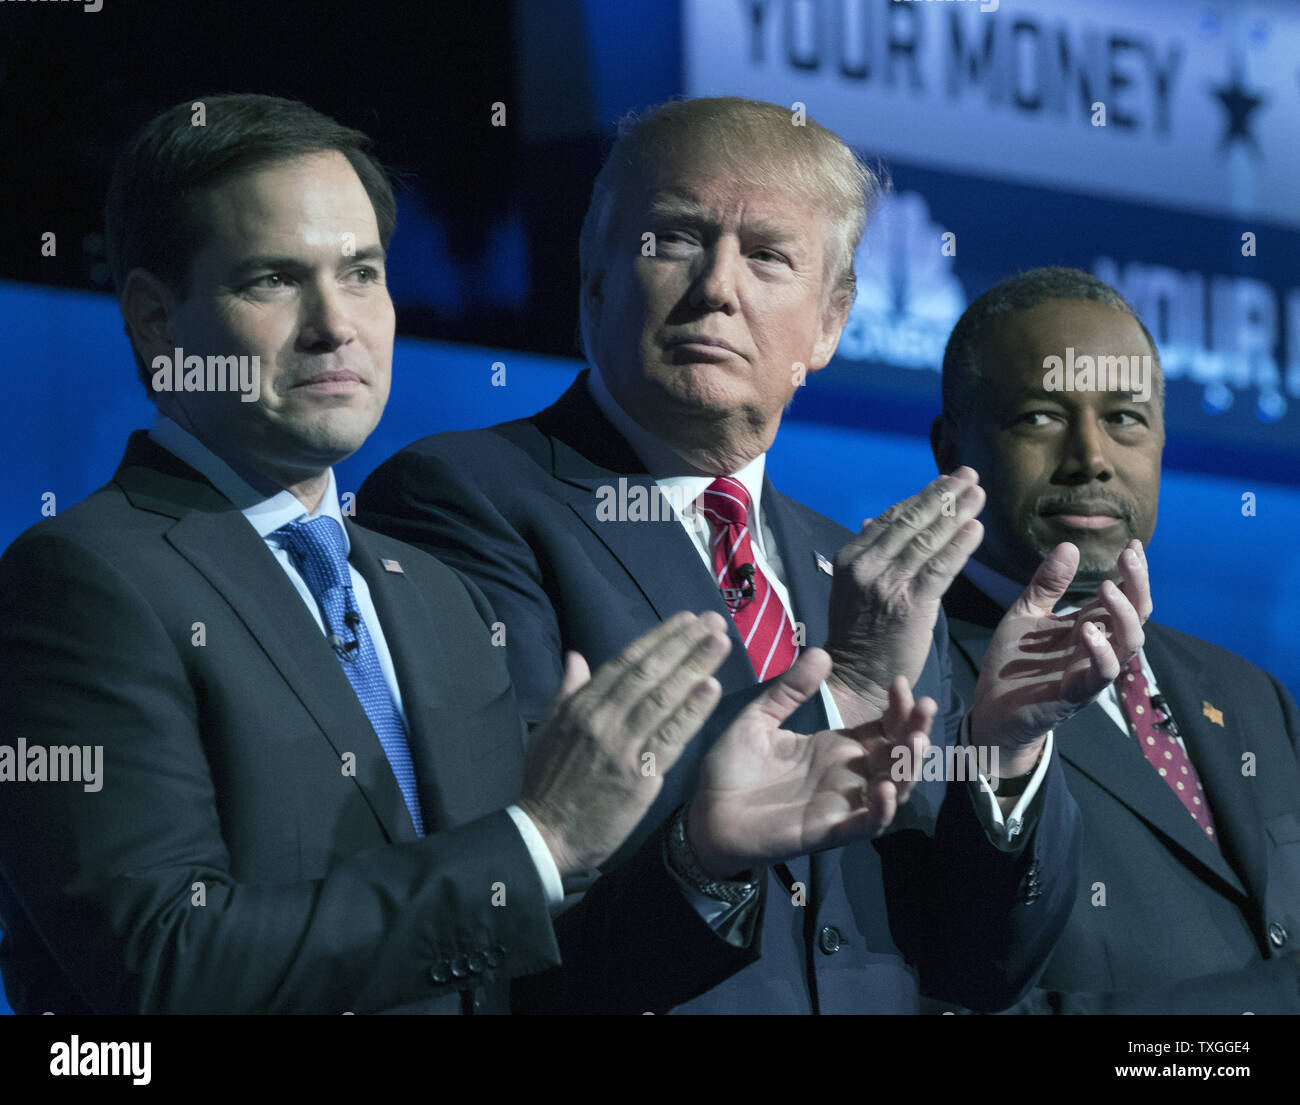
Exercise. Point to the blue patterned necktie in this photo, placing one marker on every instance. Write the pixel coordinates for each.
(320, 556)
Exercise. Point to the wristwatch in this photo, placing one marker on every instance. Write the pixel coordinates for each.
(1010, 788)
(682, 861)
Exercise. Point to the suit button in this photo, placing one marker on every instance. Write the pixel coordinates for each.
(460, 967)
(495, 955)
(476, 962)
(440, 972)
(829, 939)
(1277, 934)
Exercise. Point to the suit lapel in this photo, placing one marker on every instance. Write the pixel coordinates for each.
(1217, 751)
(1093, 744)
(809, 588)
(659, 557)
(421, 649)
(808, 585)
(219, 543)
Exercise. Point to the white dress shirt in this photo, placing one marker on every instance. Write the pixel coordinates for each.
(660, 458)
(266, 515)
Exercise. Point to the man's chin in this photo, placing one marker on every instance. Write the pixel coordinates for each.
(1096, 560)
(706, 387)
(332, 439)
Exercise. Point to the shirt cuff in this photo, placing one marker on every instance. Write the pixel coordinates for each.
(547, 870)
(714, 913)
(1005, 831)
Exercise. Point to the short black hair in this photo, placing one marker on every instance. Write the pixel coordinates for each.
(152, 220)
(1022, 292)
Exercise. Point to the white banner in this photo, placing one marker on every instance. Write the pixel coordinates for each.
(1190, 105)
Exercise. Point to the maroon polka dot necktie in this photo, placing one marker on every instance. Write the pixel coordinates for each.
(1151, 728)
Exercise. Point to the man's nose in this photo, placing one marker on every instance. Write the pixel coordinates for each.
(715, 283)
(1085, 456)
(326, 318)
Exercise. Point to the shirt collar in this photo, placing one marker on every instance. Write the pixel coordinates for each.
(663, 463)
(265, 514)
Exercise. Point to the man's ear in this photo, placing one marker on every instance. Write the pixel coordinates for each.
(943, 445)
(591, 285)
(833, 320)
(146, 304)
(593, 291)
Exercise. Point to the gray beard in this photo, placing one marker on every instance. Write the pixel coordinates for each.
(1093, 570)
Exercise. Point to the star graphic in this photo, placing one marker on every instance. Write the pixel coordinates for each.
(1215, 715)
(1239, 104)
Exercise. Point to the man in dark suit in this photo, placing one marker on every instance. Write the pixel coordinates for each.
(717, 270)
(1186, 770)
(258, 759)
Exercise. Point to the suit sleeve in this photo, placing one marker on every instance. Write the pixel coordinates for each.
(631, 943)
(131, 888)
(978, 921)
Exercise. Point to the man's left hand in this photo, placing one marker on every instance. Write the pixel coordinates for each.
(767, 794)
(1042, 668)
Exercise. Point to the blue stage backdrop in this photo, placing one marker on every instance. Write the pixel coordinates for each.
(1220, 573)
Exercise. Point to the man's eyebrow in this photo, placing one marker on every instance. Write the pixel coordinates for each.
(670, 209)
(268, 261)
(1035, 394)
(366, 253)
(273, 261)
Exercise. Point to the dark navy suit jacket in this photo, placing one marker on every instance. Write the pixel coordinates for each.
(234, 860)
(1164, 921)
(514, 507)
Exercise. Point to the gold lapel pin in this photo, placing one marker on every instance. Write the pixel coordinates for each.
(1213, 713)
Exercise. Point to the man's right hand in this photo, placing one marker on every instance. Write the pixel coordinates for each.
(888, 585)
(593, 771)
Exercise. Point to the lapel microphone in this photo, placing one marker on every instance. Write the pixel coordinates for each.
(1159, 702)
(737, 597)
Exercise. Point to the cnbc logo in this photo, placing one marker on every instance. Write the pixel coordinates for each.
(909, 297)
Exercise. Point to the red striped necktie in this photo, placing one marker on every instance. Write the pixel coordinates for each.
(759, 616)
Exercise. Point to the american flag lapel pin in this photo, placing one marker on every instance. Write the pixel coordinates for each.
(824, 565)
(392, 566)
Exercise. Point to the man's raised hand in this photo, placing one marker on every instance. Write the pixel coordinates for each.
(766, 794)
(595, 768)
(1042, 668)
(888, 584)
